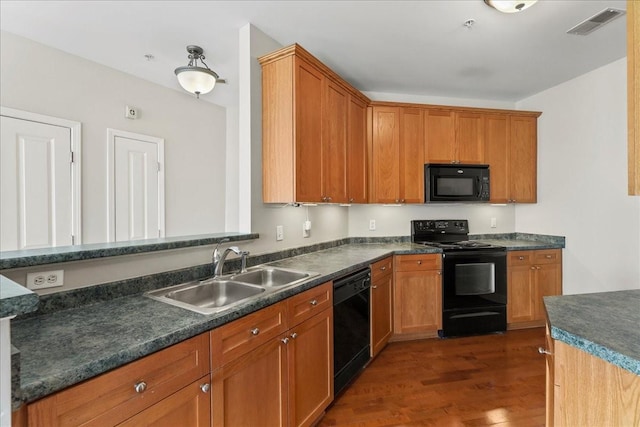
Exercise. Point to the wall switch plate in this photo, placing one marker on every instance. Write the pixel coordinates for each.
(45, 279)
(130, 112)
(279, 232)
(494, 223)
(372, 224)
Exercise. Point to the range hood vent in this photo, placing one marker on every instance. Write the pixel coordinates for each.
(596, 21)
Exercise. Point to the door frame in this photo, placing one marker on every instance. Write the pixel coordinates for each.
(111, 179)
(76, 165)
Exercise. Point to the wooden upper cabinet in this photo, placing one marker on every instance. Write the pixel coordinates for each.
(306, 110)
(357, 172)
(385, 155)
(633, 94)
(496, 154)
(334, 143)
(440, 136)
(411, 155)
(522, 159)
(469, 138)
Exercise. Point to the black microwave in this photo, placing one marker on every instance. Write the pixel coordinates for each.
(456, 183)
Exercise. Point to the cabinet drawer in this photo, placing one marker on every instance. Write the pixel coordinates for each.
(309, 303)
(111, 398)
(381, 268)
(418, 262)
(519, 258)
(243, 335)
(547, 256)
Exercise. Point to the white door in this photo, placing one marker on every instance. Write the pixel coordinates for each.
(36, 208)
(137, 199)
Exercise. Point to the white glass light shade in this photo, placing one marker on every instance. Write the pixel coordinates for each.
(196, 80)
(510, 6)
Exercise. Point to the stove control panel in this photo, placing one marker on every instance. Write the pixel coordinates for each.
(440, 225)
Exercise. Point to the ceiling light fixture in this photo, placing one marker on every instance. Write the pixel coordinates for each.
(510, 6)
(195, 79)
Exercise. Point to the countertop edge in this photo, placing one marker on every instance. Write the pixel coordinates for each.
(15, 299)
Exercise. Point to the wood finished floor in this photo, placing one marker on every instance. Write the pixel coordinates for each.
(491, 380)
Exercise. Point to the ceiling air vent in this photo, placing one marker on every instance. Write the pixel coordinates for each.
(596, 21)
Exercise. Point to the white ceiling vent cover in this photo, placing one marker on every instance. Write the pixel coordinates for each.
(596, 21)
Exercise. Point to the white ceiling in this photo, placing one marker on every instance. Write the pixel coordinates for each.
(412, 47)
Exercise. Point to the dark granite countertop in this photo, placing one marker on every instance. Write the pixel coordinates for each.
(15, 299)
(606, 325)
(522, 241)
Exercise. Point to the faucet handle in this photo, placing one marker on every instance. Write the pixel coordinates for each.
(216, 253)
(243, 261)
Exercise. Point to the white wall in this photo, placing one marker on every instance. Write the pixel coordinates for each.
(40, 79)
(582, 181)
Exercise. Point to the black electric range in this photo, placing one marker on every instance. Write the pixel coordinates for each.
(448, 235)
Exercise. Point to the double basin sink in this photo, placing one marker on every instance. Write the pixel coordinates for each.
(221, 293)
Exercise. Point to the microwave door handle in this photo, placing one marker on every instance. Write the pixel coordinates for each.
(479, 186)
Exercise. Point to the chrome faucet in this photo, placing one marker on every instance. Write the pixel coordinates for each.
(218, 259)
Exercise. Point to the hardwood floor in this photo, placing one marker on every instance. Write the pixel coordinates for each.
(496, 380)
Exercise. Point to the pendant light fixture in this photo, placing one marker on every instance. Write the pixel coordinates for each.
(510, 6)
(193, 78)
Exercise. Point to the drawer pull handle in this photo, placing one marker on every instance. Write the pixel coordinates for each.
(294, 335)
(383, 268)
(544, 351)
(205, 387)
(548, 257)
(533, 267)
(140, 387)
(255, 331)
(521, 258)
(313, 302)
(285, 340)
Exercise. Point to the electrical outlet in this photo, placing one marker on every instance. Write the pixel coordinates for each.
(45, 279)
(279, 232)
(494, 222)
(131, 112)
(372, 224)
(306, 232)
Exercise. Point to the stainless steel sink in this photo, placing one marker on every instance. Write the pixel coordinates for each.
(271, 277)
(207, 297)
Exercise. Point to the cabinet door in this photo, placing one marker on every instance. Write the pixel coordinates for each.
(520, 293)
(190, 406)
(548, 282)
(418, 301)
(386, 155)
(523, 159)
(310, 368)
(252, 390)
(334, 142)
(357, 151)
(381, 312)
(411, 155)
(496, 138)
(469, 138)
(440, 136)
(308, 128)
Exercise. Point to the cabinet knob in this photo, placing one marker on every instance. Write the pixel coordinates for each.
(439, 273)
(255, 331)
(521, 258)
(351, 200)
(285, 340)
(542, 350)
(140, 387)
(294, 335)
(383, 268)
(533, 267)
(374, 287)
(313, 302)
(419, 262)
(397, 200)
(205, 387)
(403, 201)
(548, 257)
(538, 267)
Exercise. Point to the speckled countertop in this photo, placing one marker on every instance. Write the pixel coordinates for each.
(15, 299)
(62, 348)
(606, 325)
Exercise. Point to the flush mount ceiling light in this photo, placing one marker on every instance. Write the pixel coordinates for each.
(510, 6)
(195, 79)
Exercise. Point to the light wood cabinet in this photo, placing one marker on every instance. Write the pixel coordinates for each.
(417, 296)
(411, 156)
(633, 94)
(158, 383)
(511, 152)
(531, 275)
(306, 129)
(357, 154)
(454, 137)
(381, 304)
(289, 375)
(589, 391)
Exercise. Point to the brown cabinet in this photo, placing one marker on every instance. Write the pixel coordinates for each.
(357, 154)
(306, 127)
(417, 296)
(381, 304)
(397, 153)
(454, 137)
(531, 275)
(633, 94)
(162, 382)
(290, 375)
(511, 152)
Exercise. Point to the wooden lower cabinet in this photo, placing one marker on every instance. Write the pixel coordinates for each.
(531, 275)
(287, 380)
(417, 296)
(381, 304)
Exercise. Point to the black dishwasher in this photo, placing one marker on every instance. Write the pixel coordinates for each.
(351, 331)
